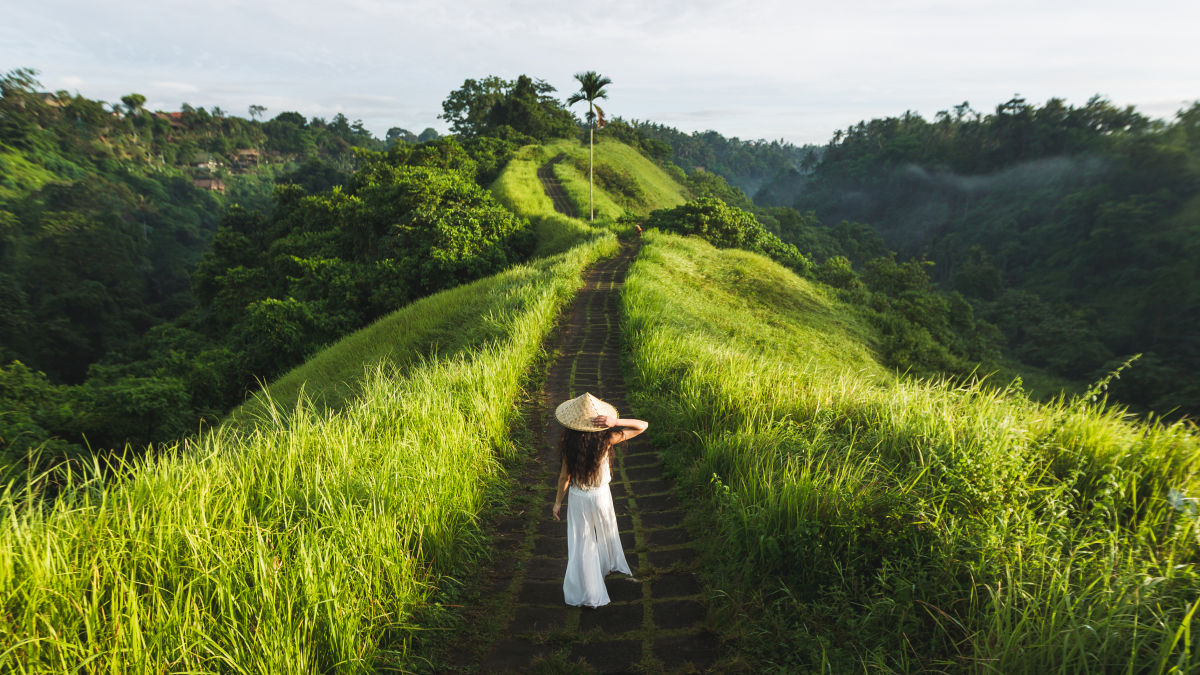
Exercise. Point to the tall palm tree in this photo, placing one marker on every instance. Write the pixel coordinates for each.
(591, 87)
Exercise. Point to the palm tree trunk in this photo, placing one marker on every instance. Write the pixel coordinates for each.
(591, 204)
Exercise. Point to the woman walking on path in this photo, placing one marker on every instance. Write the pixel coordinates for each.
(591, 429)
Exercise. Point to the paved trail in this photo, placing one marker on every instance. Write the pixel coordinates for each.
(657, 621)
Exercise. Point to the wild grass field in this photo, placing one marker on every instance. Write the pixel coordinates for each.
(856, 519)
(518, 188)
(314, 540)
(446, 325)
(865, 521)
(625, 181)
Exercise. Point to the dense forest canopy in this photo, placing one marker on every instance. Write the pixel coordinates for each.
(156, 266)
(747, 165)
(520, 109)
(1072, 229)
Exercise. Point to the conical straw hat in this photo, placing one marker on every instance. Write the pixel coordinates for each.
(579, 412)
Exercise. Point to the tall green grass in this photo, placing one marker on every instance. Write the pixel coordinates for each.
(448, 323)
(519, 189)
(864, 520)
(311, 541)
(658, 188)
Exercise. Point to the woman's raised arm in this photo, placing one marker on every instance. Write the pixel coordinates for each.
(631, 427)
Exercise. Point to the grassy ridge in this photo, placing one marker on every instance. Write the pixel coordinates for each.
(868, 521)
(309, 542)
(519, 189)
(449, 323)
(657, 188)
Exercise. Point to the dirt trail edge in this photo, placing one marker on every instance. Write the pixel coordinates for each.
(554, 189)
(658, 619)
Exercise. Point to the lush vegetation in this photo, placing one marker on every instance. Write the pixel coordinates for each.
(1071, 229)
(516, 110)
(271, 289)
(727, 227)
(865, 521)
(627, 183)
(749, 165)
(858, 517)
(105, 211)
(921, 329)
(299, 539)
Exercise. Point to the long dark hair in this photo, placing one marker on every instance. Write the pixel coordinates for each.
(583, 451)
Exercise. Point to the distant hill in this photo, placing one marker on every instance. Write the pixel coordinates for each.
(849, 514)
(747, 165)
(1072, 229)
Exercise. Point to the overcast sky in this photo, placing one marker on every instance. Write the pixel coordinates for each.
(773, 69)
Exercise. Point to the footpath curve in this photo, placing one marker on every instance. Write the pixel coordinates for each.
(658, 620)
(553, 187)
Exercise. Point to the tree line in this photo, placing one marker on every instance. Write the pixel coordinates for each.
(139, 307)
(1072, 229)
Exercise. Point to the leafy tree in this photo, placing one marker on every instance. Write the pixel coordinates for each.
(591, 87)
(133, 103)
(398, 135)
(728, 227)
(468, 108)
(498, 107)
(837, 272)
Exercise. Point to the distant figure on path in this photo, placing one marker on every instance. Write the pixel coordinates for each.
(591, 429)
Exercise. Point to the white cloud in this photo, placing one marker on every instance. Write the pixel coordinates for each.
(765, 69)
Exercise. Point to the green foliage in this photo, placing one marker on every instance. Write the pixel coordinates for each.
(837, 272)
(707, 184)
(748, 165)
(712, 220)
(407, 224)
(728, 227)
(864, 521)
(35, 410)
(298, 540)
(100, 222)
(101, 227)
(494, 106)
(591, 87)
(1071, 228)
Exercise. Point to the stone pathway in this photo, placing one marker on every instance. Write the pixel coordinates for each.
(658, 620)
(553, 188)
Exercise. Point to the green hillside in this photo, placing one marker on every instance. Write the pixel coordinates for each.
(862, 520)
(625, 180)
(316, 539)
(1071, 228)
(852, 517)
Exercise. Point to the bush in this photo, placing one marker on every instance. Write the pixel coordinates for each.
(727, 226)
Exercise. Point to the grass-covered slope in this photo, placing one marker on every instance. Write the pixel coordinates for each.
(626, 182)
(445, 325)
(863, 520)
(310, 542)
(519, 189)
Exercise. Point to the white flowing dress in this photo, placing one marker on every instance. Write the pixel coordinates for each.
(593, 543)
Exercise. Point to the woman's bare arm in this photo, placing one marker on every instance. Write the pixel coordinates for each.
(563, 482)
(631, 428)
